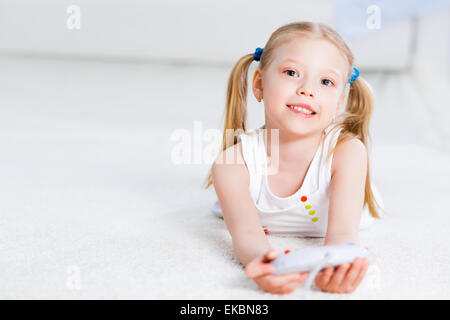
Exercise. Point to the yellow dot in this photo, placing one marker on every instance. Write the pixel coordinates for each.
(308, 206)
(315, 219)
(312, 212)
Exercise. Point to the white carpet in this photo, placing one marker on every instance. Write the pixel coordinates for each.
(93, 207)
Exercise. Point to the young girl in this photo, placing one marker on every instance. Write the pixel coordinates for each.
(319, 185)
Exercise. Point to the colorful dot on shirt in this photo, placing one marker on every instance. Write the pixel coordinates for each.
(308, 206)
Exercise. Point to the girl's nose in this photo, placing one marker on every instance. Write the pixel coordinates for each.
(305, 92)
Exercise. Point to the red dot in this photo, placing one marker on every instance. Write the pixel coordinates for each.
(304, 198)
(287, 251)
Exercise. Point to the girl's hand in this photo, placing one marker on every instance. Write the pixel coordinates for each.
(260, 270)
(344, 278)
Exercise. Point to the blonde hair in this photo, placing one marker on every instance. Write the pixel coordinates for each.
(359, 99)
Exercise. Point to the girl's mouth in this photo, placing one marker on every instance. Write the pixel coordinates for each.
(305, 113)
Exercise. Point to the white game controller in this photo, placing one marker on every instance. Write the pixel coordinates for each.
(310, 258)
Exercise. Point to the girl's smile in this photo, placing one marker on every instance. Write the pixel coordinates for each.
(302, 109)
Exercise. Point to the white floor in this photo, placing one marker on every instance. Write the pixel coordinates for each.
(93, 207)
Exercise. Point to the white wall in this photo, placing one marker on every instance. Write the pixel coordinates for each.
(207, 31)
(195, 29)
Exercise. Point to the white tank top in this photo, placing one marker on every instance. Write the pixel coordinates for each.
(305, 213)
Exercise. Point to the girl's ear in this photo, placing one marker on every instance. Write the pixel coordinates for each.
(257, 84)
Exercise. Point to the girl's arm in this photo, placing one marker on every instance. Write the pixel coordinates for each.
(347, 189)
(231, 183)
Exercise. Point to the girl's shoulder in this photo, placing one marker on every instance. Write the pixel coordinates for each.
(229, 171)
(349, 150)
(232, 155)
(235, 152)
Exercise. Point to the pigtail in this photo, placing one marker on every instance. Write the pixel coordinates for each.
(359, 110)
(235, 108)
(355, 123)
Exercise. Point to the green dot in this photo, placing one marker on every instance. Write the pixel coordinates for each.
(312, 212)
(308, 206)
(315, 219)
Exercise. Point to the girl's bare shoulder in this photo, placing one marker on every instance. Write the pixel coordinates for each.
(231, 162)
(349, 151)
(231, 156)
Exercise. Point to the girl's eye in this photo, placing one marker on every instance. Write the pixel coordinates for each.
(290, 71)
(328, 82)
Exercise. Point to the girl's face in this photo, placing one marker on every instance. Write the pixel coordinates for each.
(303, 71)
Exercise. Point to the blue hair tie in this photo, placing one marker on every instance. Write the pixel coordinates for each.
(257, 54)
(355, 75)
